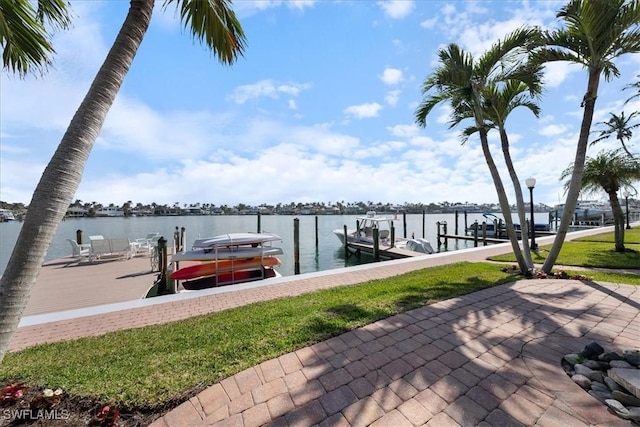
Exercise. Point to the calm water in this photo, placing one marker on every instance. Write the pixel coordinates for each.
(328, 255)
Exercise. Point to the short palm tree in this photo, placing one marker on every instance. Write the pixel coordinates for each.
(213, 23)
(501, 101)
(465, 83)
(609, 171)
(594, 34)
(621, 127)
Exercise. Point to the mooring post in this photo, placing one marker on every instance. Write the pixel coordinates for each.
(393, 235)
(475, 233)
(456, 224)
(438, 233)
(182, 238)
(404, 222)
(446, 238)
(259, 224)
(79, 236)
(376, 244)
(424, 229)
(296, 246)
(484, 233)
(465, 222)
(346, 243)
(162, 264)
(357, 236)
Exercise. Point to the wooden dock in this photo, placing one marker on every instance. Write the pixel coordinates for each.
(385, 252)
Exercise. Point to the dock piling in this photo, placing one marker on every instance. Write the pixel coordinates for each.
(404, 223)
(446, 237)
(79, 236)
(316, 231)
(259, 222)
(296, 245)
(376, 244)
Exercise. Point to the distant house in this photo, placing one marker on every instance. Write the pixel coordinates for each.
(110, 211)
(77, 212)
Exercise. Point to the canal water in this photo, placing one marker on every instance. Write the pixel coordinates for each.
(327, 255)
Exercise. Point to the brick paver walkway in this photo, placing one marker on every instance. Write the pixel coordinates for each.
(491, 358)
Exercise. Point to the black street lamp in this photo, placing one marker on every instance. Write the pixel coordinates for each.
(531, 183)
(626, 195)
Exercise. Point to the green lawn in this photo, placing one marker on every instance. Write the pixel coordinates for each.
(157, 366)
(593, 251)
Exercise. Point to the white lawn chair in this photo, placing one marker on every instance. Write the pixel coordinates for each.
(79, 252)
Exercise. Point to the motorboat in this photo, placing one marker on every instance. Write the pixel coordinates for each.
(227, 259)
(363, 235)
(6, 215)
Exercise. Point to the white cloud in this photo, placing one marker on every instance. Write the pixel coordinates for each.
(363, 111)
(391, 76)
(397, 9)
(404, 131)
(552, 130)
(429, 23)
(392, 97)
(265, 88)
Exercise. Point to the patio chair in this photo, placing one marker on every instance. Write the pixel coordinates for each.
(79, 252)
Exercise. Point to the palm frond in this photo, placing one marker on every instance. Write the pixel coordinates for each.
(214, 24)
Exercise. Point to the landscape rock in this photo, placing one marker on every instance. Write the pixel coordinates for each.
(633, 357)
(582, 381)
(620, 364)
(609, 356)
(625, 399)
(592, 350)
(572, 358)
(610, 377)
(627, 378)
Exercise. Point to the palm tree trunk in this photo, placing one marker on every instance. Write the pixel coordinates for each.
(504, 202)
(578, 170)
(618, 221)
(524, 229)
(62, 176)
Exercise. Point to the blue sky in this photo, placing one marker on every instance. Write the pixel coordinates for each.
(320, 108)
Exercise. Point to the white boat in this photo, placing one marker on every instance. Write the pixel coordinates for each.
(363, 234)
(6, 215)
(231, 246)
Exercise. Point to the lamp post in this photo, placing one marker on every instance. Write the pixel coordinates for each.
(531, 183)
(626, 195)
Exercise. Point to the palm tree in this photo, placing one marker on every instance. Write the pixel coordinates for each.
(214, 24)
(609, 171)
(465, 83)
(620, 127)
(635, 86)
(24, 40)
(501, 101)
(595, 33)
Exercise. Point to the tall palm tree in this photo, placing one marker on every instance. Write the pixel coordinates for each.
(464, 82)
(25, 43)
(595, 33)
(214, 24)
(609, 171)
(500, 102)
(619, 126)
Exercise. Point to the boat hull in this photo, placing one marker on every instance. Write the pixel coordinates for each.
(229, 279)
(223, 266)
(226, 253)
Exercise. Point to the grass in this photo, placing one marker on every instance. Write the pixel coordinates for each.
(592, 252)
(153, 365)
(157, 366)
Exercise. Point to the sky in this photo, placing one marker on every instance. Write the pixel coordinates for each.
(320, 108)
